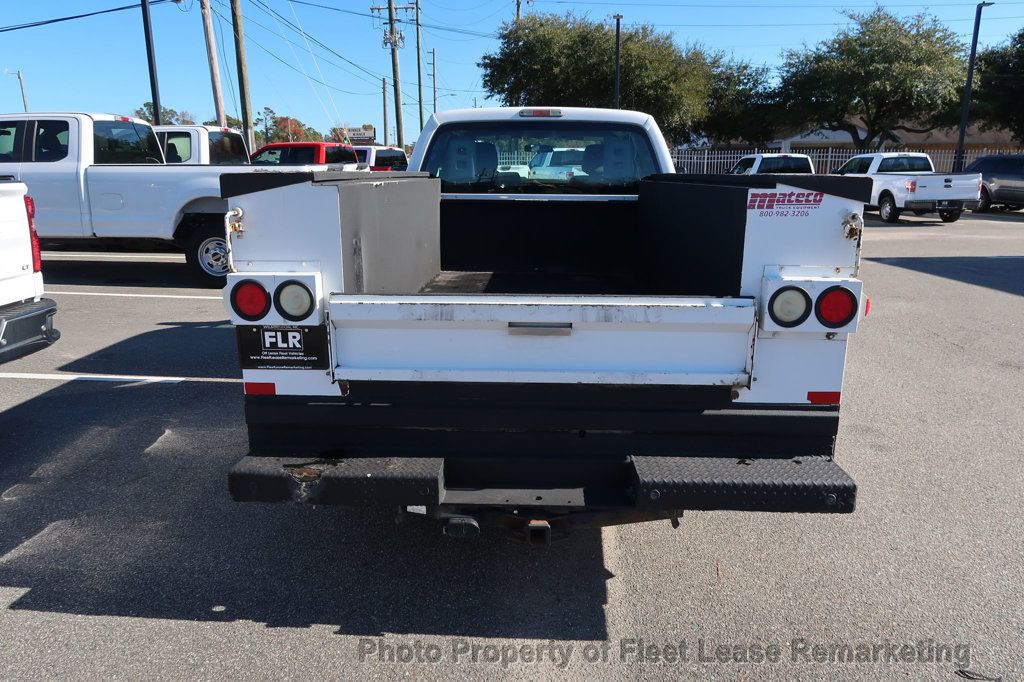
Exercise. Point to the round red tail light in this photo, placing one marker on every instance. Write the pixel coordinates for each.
(836, 307)
(250, 300)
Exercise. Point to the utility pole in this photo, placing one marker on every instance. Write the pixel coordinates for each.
(958, 159)
(211, 55)
(396, 39)
(243, 72)
(433, 74)
(618, 42)
(21, 80)
(519, 6)
(419, 64)
(384, 93)
(147, 29)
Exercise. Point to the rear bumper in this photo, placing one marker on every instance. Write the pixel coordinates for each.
(25, 327)
(945, 205)
(643, 484)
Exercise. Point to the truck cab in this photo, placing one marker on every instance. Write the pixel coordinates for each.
(488, 350)
(201, 145)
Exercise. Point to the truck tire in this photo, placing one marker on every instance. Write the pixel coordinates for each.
(984, 202)
(950, 216)
(206, 252)
(887, 209)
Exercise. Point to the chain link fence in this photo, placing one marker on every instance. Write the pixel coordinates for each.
(825, 159)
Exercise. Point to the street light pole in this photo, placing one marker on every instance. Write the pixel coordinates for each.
(21, 80)
(151, 56)
(958, 159)
(618, 41)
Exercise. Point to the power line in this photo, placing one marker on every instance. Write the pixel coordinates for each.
(705, 5)
(782, 25)
(47, 22)
(451, 29)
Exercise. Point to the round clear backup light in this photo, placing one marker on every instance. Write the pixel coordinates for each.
(789, 306)
(294, 301)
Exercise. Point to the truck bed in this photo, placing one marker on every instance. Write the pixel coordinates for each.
(463, 282)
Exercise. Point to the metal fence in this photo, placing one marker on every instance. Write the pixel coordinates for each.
(825, 158)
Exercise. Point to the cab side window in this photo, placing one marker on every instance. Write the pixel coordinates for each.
(12, 140)
(50, 142)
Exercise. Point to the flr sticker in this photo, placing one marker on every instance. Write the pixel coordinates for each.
(282, 347)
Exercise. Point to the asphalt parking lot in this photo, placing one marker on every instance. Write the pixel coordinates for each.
(122, 555)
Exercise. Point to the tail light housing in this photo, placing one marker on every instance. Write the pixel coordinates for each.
(836, 307)
(911, 186)
(30, 211)
(250, 300)
(380, 168)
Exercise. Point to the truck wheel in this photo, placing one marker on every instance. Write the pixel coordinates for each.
(984, 202)
(887, 209)
(950, 216)
(206, 253)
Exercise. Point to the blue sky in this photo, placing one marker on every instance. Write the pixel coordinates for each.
(98, 63)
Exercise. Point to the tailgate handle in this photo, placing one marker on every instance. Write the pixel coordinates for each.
(540, 328)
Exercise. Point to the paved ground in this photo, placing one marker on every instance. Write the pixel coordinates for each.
(121, 555)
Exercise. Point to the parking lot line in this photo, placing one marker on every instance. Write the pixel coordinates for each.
(128, 378)
(104, 293)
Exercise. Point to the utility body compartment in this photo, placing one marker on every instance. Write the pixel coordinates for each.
(515, 343)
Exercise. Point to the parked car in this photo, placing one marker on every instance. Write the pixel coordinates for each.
(100, 176)
(599, 350)
(26, 317)
(382, 158)
(908, 181)
(306, 154)
(1002, 181)
(557, 163)
(773, 163)
(197, 145)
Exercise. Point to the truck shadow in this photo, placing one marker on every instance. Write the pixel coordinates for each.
(194, 349)
(1002, 273)
(163, 274)
(114, 503)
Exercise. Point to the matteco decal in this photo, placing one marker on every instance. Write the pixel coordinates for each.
(771, 200)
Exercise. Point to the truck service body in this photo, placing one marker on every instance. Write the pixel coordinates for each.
(479, 346)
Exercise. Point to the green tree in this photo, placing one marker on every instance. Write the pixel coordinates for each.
(547, 59)
(167, 116)
(1000, 86)
(884, 74)
(742, 103)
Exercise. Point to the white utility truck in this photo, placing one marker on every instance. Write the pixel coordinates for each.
(199, 145)
(26, 317)
(908, 181)
(99, 176)
(478, 347)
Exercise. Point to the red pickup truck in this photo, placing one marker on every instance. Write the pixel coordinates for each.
(304, 154)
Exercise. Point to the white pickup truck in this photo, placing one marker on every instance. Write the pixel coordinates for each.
(908, 181)
(479, 347)
(99, 176)
(198, 145)
(26, 318)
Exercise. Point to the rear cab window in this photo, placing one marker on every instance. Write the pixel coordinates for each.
(125, 142)
(227, 149)
(612, 157)
(785, 164)
(905, 164)
(392, 158)
(340, 154)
